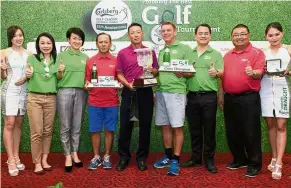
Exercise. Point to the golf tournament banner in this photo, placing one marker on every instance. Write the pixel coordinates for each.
(114, 16)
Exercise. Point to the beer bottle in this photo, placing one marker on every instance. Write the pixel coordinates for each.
(94, 75)
(167, 56)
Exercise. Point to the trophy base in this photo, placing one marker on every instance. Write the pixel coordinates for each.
(144, 82)
(104, 85)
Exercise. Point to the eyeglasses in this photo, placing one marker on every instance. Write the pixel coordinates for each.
(236, 35)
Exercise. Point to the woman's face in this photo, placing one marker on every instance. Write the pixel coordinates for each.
(75, 41)
(274, 36)
(45, 45)
(17, 40)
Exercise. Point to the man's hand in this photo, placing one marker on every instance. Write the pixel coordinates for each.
(212, 72)
(249, 70)
(179, 74)
(29, 71)
(86, 85)
(130, 86)
(62, 66)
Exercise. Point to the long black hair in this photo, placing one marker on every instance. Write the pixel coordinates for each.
(38, 51)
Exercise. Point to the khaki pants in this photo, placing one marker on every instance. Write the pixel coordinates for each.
(41, 113)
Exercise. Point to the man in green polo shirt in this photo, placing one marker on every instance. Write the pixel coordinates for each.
(202, 100)
(171, 99)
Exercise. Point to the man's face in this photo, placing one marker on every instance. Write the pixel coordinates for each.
(103, 44)
(240, 37)
(168, 33)
(203, 35)
(135, 35)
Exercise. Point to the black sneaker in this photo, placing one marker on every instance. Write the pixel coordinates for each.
(191, 163)
(235, 166)
(251, 173)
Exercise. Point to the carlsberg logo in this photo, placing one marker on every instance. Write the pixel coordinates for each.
(106, 12)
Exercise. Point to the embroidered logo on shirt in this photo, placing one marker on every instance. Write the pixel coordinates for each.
(207, 57)
(174, 51)
(111, 66)
(244, 60)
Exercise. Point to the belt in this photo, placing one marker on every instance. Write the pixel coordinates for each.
(43, 93)
(241, 94)
(202, 92)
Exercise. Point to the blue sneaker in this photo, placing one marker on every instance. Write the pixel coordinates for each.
(174, 168)
(94, 163)
(106, 162)
(162, 163)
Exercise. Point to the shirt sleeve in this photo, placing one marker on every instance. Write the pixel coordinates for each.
(188, 56)
(155, 60)
(120, 67)
(88, 71)
(259, 61)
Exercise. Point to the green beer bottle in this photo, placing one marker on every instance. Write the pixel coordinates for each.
(166, 57)
(94, 74)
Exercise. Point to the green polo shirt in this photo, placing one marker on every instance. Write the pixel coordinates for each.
(42, 81)
(201, 81)
(74, 74)
(168, 81)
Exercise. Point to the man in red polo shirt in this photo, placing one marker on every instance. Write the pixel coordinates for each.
(243, 69)
(102, 102)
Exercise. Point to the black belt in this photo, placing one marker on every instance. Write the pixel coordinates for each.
(201, 92)
(43, 93)
(241, 94)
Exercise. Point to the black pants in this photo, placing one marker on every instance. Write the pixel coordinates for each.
(145, 109)
(243, 128)
(201, 114)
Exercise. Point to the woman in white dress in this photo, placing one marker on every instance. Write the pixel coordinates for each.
(275, 95)
(13, 98)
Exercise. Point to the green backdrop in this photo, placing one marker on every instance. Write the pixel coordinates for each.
(57, 16)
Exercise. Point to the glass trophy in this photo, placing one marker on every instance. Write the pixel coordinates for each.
(145, 60)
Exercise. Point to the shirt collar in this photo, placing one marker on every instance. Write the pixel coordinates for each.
(247, 49)
(71, 51)
(104, 56)
(176, 43)
(209, 49)
(41, 57)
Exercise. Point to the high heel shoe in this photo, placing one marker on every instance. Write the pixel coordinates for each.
(19, 165)
(68, 168)
(277, 173)
(15, 171)
(271, 166)
(78, 164)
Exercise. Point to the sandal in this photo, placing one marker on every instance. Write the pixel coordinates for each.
(19, 165)
(271, 166)
(15, 171)
(277, 173)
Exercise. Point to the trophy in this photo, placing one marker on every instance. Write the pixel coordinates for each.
(274, 66)
(145, 60)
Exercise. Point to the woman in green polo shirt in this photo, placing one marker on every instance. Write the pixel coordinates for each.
(41, 101)
(71, 97)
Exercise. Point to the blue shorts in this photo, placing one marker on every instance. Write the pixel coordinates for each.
(102, 115)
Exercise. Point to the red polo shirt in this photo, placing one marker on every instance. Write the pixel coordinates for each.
(235, 79)
(106, 66)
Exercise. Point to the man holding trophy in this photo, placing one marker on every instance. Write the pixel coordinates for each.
(136, 68)
(103, 99)
(175, 67)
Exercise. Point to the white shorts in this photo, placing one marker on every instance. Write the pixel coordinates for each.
(275, 97)
(170, 109)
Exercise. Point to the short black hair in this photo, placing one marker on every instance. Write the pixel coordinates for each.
(169, 23)
(275, 25)
(76, 31)
(103, 34)
(38, 51)
(239, 26)
(134, 24)
(202, 25)
(11, 32)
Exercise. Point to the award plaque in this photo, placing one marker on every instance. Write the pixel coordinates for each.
(177, 65)
(105, 81)
(274, 66)
(145, 60)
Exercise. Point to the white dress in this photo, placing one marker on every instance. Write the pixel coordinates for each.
(275, 93)
(13, 98)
